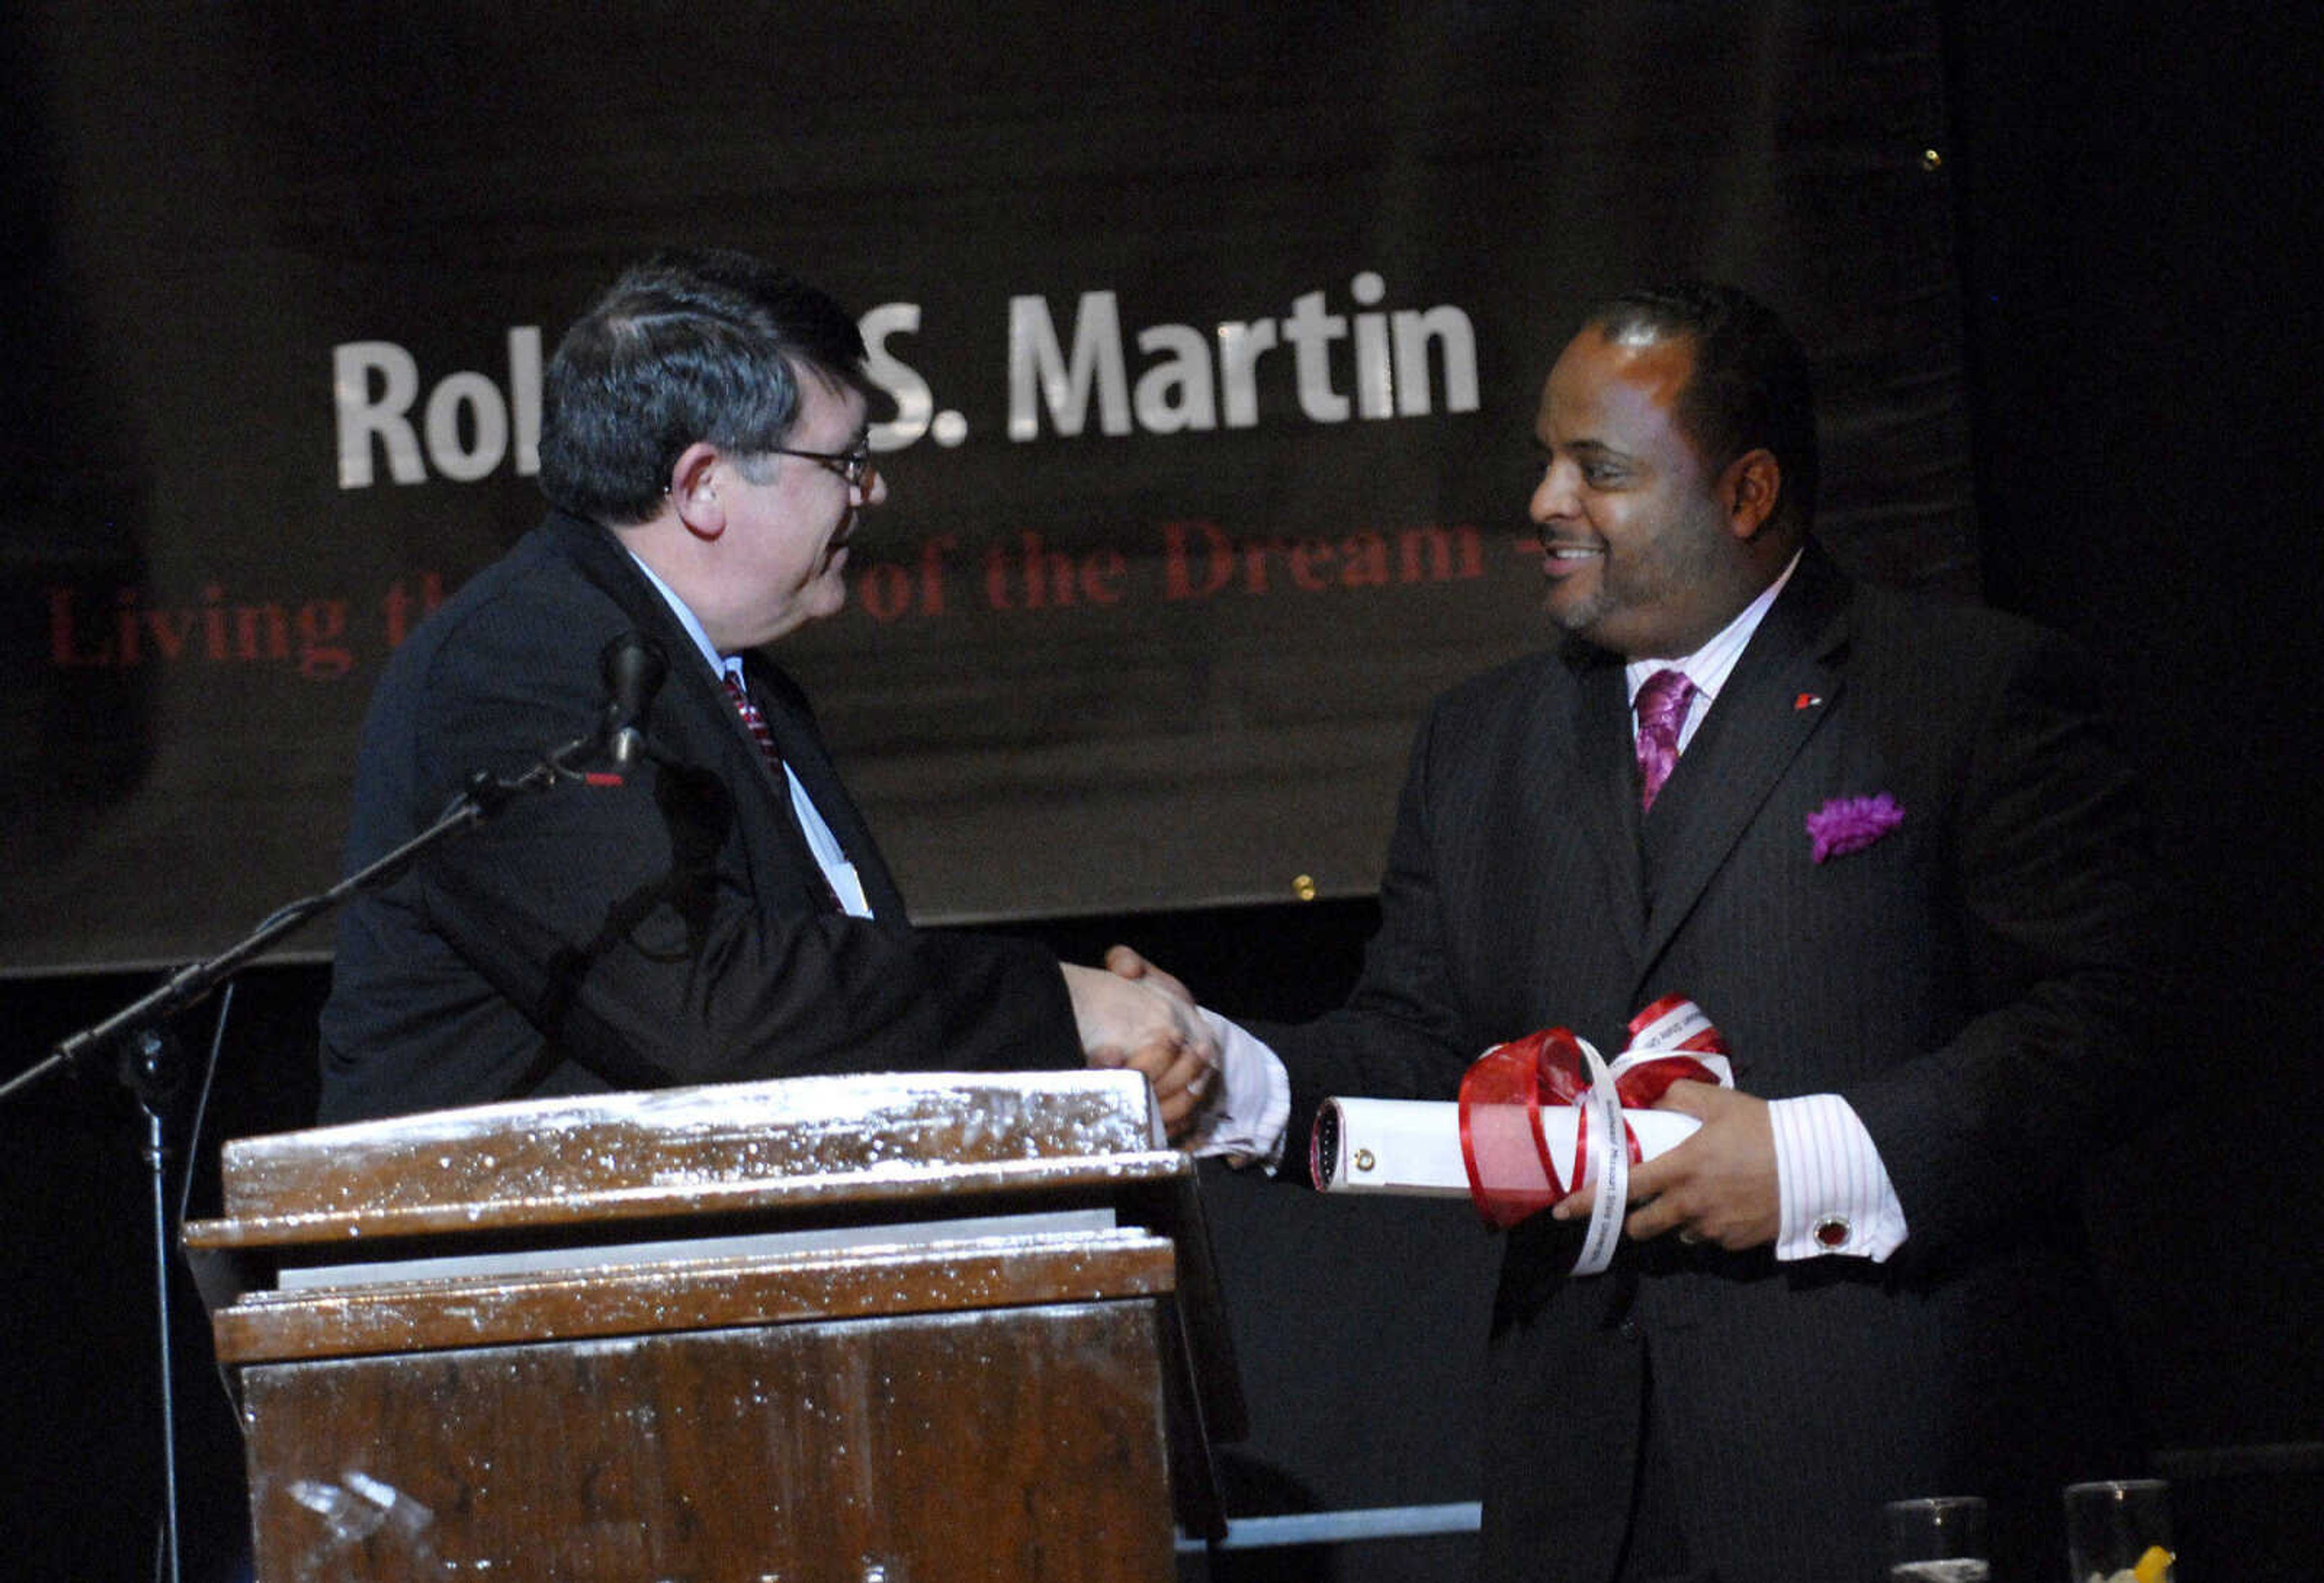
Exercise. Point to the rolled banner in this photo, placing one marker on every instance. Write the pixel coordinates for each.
(1411, 1148)
(1520, 1138)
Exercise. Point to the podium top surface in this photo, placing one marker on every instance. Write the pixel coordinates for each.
(858, 1137)
(618, 1175)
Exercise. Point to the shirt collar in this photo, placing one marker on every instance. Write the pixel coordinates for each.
(723, 664)
(1709, 667)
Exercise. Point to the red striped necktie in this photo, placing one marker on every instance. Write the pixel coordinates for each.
(756, 721)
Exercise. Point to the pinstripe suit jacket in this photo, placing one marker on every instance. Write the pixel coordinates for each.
(1973, 984)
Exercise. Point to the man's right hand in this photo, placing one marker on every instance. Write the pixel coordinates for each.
(1125, 962)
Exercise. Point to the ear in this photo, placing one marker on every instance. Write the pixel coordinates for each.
(693, 480)
(1749, 488)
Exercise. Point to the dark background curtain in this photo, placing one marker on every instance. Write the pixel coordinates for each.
(2130, 192)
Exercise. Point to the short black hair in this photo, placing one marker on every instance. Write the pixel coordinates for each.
(1750, 389)
(693, 345)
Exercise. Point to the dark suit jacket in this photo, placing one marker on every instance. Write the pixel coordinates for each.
(675, 929)
(1973, 984)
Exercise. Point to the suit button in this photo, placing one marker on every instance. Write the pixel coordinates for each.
(1630, 1329)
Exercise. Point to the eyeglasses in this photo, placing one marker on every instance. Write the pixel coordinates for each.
(855, 467)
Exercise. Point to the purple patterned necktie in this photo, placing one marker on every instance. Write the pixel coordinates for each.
(1662, 706)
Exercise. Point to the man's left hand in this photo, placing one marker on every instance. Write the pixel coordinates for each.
(1717, 1186)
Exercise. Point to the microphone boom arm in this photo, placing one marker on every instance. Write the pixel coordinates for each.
(481, 798)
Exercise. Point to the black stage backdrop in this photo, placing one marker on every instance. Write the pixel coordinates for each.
(203, 203)
(1212, 340)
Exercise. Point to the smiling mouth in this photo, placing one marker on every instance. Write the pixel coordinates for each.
(1554, 555)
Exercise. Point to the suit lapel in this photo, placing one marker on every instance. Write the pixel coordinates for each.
(1601, 794)
(798, 742)
(1780, 691)
(737, 760)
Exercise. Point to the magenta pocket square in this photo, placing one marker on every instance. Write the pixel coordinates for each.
(1849, 824)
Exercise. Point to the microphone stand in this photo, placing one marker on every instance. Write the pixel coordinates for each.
(148, 1067)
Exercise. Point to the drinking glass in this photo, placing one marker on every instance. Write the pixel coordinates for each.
(1937, 1539)
(2118, 1531)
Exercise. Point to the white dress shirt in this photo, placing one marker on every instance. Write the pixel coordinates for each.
(1833, 1192)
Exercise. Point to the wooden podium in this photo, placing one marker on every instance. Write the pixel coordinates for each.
(884, 1330)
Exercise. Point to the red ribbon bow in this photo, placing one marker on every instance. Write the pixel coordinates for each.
(1511, 1172)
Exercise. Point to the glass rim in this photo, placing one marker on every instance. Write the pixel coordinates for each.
(2116, 1485)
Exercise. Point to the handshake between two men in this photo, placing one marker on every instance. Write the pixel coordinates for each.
(1723, 1186)
(1131, 1014)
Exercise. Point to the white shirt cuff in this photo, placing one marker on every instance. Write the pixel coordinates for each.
(1834, 1192)
(1247, 1124)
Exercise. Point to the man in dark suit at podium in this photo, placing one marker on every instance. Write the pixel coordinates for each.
(713, 909)
(1887, 847)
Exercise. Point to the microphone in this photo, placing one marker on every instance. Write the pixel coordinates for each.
(633, 668)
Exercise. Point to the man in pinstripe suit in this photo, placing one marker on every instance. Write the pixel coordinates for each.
(1898, 865)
